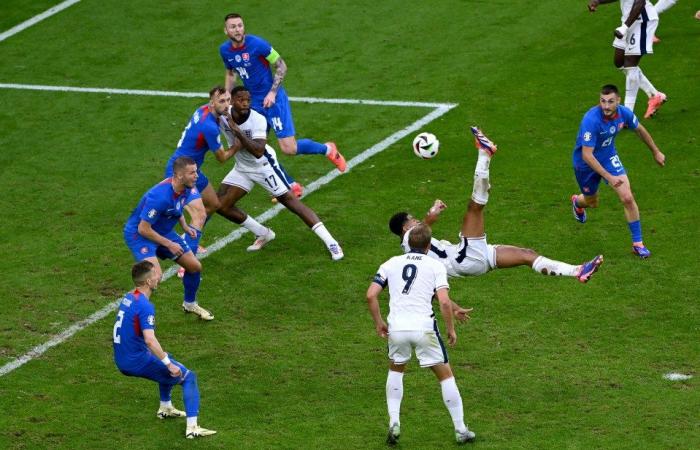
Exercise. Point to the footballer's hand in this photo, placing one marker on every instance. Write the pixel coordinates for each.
(174, 370)
(175, 248)
(462, 314)
(615, 181)
(437, 207)
(660, 158)
(621, 31)
(592, 5)
(191, 231)
(269, 99)
(382, 330)
(451, 337)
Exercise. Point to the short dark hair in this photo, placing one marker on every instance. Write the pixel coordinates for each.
(232, 16)
(419, 236)
(396, 223)
(609, 89)
(140, 271)
(182, 162)
(216, 90)
(237, 89)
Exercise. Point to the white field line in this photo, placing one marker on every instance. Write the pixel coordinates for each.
(234, 235)
(346, 101)
(36, 19)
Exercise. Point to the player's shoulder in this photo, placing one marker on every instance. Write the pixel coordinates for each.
(255, 40)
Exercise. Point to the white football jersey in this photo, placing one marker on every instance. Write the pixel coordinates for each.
(413, 279)
(255, 127)
(626, 7)
(442, 251)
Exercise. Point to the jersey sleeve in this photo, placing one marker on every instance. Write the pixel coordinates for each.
(213, 137)
(147, 316)
(192, 195)
(589, 131)
(631, 120)
(222, 53)
(152, 208)
(441, 278)
(380, 277)
(259, 126)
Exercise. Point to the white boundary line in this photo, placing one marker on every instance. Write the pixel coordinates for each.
(350, 101)
(66, 334)
(36, 19)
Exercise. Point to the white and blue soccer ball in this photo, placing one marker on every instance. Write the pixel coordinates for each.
(426, 145)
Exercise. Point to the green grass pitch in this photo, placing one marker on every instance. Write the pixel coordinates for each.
(291, 360)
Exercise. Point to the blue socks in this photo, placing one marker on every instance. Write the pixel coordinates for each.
(191, 283)
(165, 391)
(309, 147)
(190, 394)
(636, 230)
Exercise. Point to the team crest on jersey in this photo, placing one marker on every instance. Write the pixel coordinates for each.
(238, 58)
(613, 129)
(587, 136)
(193, 191)
(246, 57)
(152, 213)
(144, 250)
(151, 320)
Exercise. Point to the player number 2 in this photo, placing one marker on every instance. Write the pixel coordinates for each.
(117, 325)
(408, 275)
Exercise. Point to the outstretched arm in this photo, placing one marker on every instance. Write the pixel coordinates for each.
(434, 212)
(644, 135)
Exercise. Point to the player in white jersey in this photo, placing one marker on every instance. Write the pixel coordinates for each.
(473, 255)
(413, 280)
(634, 39)
(256, 162)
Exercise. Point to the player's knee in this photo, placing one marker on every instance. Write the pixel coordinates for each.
(190, 378)
(288, 148)
(193, 266)
(627, 199)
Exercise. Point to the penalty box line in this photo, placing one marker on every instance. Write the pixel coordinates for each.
(236, 234)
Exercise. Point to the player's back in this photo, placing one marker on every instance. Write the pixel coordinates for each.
(439, 250)
(413, 279)
(200, 135)
(135, 313)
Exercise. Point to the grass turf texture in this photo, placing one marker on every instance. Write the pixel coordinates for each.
(291, 359)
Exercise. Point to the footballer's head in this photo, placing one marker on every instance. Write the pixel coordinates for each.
(234, 28)
(185, 171)
(609, 99)
(419, 237)
(240, 100)
(145, 274)
(400, 222)
(219, 100)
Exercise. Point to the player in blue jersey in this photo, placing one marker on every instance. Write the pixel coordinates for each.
(249, 57)
(137, 352)
(596, 158)
(201, 135)
(149, 232)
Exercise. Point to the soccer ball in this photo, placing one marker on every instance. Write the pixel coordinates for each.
(426, 145)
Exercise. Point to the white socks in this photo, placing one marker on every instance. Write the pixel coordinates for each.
(394, 394)
(631, 86)
(167, 404)
(547, 266)
(480, 192)
(453, 402)
(664, 5)
(646, 85)
(254, 226)
(192, 422)
(322, 232)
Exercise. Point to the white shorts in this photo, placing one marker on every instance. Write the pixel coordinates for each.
(430, 349)
(639, 39)
(266, 177)
(474, 256)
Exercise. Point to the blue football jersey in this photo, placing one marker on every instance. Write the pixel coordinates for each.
(599, 132)
(161, 206)
(250, 62)
(135, 314)
(200, 135)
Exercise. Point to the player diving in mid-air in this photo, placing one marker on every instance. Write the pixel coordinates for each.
(473, 255)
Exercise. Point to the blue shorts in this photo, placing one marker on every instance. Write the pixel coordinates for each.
(202, 181)
(143, 248)
(588, 179)
(156, 371)
(279, 115)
